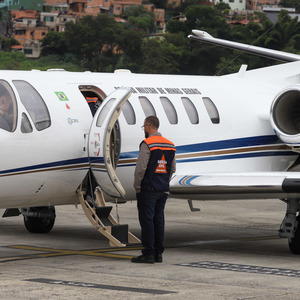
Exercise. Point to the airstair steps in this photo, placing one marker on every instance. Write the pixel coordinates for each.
(100, 216)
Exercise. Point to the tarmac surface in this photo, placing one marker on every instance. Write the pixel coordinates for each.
(228, 250)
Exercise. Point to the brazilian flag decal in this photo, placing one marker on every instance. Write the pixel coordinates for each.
(61, 96)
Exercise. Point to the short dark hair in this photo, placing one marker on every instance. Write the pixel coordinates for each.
(153, 121)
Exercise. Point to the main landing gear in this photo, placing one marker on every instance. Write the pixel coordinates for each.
(39, 219)
(289, 227)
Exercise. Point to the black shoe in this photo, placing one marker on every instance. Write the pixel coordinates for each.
(158, 258)
(144, 259)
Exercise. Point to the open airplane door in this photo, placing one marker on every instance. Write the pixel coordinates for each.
(105, 143)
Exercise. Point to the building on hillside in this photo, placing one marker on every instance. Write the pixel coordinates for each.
(29, 26)
(91, 7)
(173, 3)
(119, 6)
(94, 7)
(7, 5)
(22, 4)
(260, 4)
(56, 21)
(77, 7)
(24, 18)
(234, 4)
(272, 13)
(27, 29)
(55, 6)
(160, 19)
(242, 22)
(159, 15)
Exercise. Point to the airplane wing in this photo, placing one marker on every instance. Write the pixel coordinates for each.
(269, 53)
(220, 186)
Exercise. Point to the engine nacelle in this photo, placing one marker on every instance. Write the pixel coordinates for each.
(285, 116)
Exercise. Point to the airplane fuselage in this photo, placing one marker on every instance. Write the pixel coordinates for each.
(218, 124)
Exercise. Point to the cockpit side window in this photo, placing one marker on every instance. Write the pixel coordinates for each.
(8, 107)
(34, 104)
(25, 124)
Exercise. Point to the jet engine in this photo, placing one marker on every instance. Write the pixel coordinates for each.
(285, 116)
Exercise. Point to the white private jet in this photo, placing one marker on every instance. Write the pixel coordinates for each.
(237, 137)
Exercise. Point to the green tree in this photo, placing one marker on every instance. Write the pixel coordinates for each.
(206, 18)
(160, 3)
(175, 26)
(7, 43)
(290, 4)
(92, 40)
(284, 30)
(157, 57)
(54, 43)
(222, 6)
(129, 42)
(139, 18)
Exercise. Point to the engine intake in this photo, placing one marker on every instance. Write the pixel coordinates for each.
(285, 116)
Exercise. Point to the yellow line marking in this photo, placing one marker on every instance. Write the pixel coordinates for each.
(107, 252)
(50, 252)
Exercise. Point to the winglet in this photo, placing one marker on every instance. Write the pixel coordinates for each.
(202, 33)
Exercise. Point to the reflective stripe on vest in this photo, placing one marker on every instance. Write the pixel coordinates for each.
(158, 142)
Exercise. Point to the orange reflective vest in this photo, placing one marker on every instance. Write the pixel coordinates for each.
(157, 175)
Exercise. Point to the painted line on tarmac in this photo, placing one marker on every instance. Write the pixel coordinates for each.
(51, 252)
(250, 239)
(107, 252)
(100, 286)
(243, 268)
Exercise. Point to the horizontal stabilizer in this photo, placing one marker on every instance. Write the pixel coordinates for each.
(203, 36)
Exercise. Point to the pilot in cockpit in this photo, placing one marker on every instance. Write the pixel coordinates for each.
(6, 110)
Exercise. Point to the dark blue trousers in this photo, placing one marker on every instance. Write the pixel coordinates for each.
(151, 207)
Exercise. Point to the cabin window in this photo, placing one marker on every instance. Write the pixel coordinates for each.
(8, 107)
(104, 112)
(190, 110)
(129, 113)
(34, 104)
(211, 110)
(147, 107)
(25, 125)
(169, 110)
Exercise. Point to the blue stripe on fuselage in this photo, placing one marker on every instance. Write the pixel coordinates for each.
(50, 165)
(222, 145)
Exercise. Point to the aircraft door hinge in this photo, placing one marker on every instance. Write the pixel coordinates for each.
(85, 141)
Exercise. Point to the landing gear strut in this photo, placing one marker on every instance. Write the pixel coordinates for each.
(289, 227)
(39, 219)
